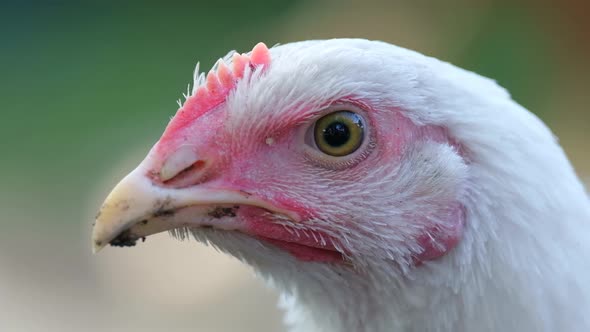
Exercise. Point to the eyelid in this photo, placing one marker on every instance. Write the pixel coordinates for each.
(313, 153)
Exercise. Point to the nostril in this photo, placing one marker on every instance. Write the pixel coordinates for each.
(187, 174)
(182, 162)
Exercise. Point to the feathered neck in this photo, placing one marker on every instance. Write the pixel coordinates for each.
(521, 265)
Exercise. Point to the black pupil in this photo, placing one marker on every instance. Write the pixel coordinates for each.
(336, 134)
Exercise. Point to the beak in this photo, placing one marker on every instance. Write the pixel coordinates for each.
(137, 207)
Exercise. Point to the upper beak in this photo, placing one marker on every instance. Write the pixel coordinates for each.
(137, 207)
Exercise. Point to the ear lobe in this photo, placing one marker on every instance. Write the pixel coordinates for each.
(436, 178)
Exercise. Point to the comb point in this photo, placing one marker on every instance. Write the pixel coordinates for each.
(202, 93)
(239, 64)
(224, 74)
(260, 55)
(213, 84)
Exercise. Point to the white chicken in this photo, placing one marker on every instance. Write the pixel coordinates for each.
(378, 189)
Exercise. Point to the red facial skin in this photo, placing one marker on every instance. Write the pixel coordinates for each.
(239, 170)
(234, 163)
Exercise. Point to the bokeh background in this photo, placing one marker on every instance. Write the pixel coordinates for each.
(86, 89)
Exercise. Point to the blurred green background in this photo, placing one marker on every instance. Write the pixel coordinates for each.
(86, 89)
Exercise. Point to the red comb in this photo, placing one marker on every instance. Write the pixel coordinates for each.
(211, 91)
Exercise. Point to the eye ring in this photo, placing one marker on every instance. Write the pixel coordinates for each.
(339, 133)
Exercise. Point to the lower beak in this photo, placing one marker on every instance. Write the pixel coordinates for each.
(137, 208)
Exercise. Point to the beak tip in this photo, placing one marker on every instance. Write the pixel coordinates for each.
(97, 246)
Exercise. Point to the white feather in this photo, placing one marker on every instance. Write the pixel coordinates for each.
(523, 263)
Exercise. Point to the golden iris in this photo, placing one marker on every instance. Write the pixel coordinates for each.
(339, 134)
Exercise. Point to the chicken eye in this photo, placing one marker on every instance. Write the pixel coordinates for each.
(339, 134)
